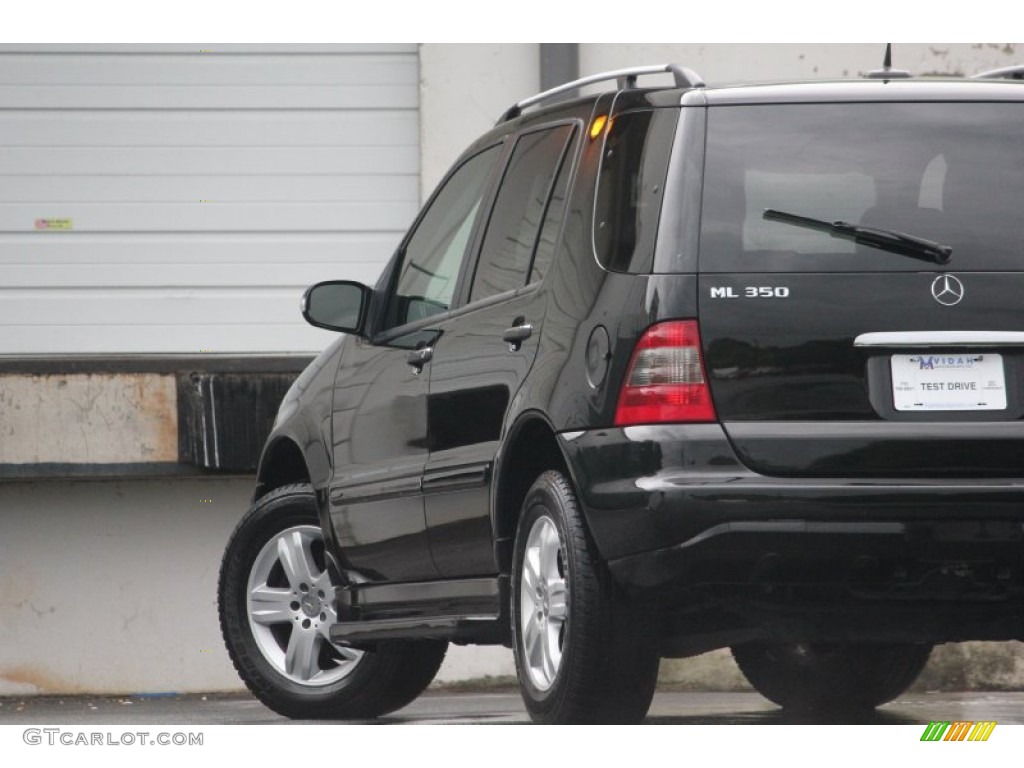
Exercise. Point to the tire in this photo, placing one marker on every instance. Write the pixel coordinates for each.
(832, 677)
(276, 608)
(583, 655)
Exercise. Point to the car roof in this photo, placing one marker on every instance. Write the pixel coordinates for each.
(864, 90)
(875, 88)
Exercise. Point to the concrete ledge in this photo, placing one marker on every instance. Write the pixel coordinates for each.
(137, 416)
(73, 364)
(974, 666)
(133, 471)
(91, 418)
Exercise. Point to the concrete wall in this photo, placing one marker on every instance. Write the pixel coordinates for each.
(463, 91)
(724, 63)
(111, 587)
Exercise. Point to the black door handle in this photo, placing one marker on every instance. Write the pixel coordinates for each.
(517, 334)
(420, 357)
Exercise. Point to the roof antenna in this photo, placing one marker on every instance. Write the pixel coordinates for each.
(887, 72)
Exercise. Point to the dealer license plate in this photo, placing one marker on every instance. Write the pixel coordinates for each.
(948, 382)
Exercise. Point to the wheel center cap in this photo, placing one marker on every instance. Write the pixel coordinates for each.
(310, 605)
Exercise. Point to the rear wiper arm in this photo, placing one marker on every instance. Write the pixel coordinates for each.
(885, 239)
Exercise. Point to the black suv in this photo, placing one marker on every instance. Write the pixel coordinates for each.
(654, 372)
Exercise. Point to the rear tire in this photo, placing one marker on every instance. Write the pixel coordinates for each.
(275, 599)
(583, 654)
(833, 677)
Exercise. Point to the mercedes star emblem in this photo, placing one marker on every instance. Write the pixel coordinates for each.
(947, 290)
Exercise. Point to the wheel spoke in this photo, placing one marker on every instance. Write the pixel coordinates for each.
(270, 605)
(302, 656)
(528, 603)
(531, 641)
(297, 559)
(557, 601)
(324, 629)
(346, 653)
(528, 584)
(549, 553)
(531, 566)
(548, 661)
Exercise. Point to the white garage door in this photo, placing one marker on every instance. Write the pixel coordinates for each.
(166, 199)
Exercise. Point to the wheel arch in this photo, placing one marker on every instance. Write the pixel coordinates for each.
(530, 448)
(282, 463)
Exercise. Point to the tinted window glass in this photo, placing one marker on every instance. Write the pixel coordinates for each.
(949, 173)
(553, 218)
(518, 212)
(435, 252)
(629, 189)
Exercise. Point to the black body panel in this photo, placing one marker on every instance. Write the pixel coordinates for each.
(473, 378)
(380, 448)
(732, 556)
(813, 507)
(811, 385)
(657, 487)
(303, 421)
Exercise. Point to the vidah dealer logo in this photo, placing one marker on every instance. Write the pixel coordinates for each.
(946, 362)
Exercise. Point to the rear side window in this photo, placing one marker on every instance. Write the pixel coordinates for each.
(949, 173)
(549, 232)
(630, 188)
(519, 212)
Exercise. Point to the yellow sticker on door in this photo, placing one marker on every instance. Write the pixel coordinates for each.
(48, 224)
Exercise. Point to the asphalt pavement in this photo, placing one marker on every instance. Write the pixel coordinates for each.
(438, 707)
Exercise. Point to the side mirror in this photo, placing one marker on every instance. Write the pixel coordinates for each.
(337, 305)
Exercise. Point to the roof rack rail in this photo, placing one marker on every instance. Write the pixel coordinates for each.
(1015, 72)
(684, 77)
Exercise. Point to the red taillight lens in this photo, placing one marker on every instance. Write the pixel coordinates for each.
(665, 382)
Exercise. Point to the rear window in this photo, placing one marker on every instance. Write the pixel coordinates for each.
(949, 173)
(630, 188)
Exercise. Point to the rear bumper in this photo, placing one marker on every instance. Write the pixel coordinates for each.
(673, 506)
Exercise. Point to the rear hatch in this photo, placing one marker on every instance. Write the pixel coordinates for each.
(831, 356)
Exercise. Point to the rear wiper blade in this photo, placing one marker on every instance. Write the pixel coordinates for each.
(885, 239)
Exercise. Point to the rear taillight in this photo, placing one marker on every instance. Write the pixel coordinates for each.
(665, 382)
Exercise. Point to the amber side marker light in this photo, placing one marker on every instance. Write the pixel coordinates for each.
(598, 125)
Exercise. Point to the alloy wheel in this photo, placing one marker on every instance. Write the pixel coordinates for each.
(290, 605)
(544, 605)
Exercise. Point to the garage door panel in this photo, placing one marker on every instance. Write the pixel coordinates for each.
(248, 338)
(151, 306)
(337, 188)
(288, 272)
(255, 128)
(228, 49)
(193, 248)
(174, 161)
(169, 97)
(83, 69)
(208, 217)
(203, 192)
